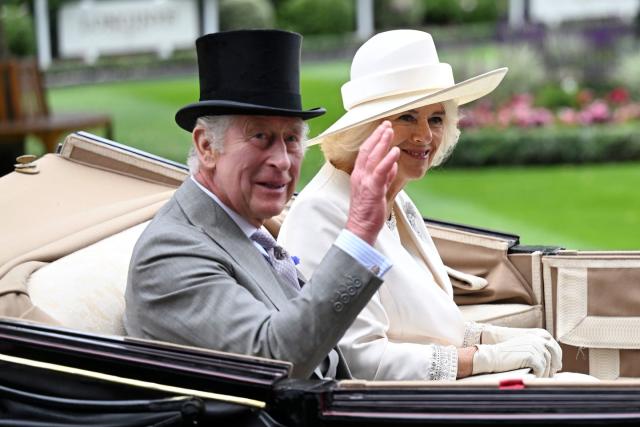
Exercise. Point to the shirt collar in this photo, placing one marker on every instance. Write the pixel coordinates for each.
(247, 228)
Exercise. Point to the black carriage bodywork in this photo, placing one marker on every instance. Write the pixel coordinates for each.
(118, 381)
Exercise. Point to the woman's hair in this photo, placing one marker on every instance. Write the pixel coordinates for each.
(341, 148)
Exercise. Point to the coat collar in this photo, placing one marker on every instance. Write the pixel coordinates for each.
(204, 213)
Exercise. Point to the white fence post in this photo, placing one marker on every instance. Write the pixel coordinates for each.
(210, 18)
(365, 21)
(41, 11)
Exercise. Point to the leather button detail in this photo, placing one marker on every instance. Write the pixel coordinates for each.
(352, 290)
(338, 306)
(354, 281)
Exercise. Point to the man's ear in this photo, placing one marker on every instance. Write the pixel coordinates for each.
(204, 148)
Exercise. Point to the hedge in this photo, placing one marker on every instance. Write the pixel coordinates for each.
(552, 145)
(18, 30)
(310, 17)
(237, 14)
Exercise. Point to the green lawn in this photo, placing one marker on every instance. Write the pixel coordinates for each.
(588, 207)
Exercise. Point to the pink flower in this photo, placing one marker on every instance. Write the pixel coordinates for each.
(627, 113)
(596, 112)
(466, 119)
(568, 116)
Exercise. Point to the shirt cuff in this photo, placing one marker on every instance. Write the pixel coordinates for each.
(363, 252)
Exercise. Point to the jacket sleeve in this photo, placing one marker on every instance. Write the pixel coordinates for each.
(181, 289)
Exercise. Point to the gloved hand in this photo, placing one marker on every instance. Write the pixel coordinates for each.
(497, 334)
(528, 351)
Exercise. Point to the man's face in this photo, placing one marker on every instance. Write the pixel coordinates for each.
(256, 173)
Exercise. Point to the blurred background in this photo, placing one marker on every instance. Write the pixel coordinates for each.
(552, 155)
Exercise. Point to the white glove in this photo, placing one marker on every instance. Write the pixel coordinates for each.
(522, 352)
(497, 334)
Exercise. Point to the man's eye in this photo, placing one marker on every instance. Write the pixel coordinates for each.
(292, 139)
(261, 138)
(436, 121)
(294, 143)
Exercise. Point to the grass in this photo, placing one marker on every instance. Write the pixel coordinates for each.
(586, 207)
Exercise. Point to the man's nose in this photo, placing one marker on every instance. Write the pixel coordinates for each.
(279, 156)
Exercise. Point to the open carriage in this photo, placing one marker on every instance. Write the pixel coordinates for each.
(68, 233)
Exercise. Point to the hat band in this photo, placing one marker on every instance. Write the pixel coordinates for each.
(285, 100)
(423, 78)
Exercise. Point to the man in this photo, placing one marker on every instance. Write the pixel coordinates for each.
(203, 273)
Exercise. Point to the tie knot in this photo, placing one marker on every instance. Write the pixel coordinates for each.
(277, 257)
(264, 239)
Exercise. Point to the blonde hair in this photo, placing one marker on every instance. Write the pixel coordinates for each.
(341, 148)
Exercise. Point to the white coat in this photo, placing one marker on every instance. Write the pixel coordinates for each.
(411, 326)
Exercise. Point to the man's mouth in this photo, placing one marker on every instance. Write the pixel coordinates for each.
(273, 185)
(417, 154)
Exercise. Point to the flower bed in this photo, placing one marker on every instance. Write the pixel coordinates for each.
(518, 132)
(585, 109)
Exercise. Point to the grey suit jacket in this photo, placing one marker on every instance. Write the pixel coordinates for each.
(196, 279)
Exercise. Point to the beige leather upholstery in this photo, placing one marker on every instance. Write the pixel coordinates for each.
(85, 289)
(89, 193)
(512, 315)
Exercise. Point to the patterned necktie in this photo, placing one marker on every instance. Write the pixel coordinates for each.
(283, 264)
(278, 257)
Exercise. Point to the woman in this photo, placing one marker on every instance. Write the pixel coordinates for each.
(411, 329)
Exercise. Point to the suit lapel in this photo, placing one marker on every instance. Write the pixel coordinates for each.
(205, 213)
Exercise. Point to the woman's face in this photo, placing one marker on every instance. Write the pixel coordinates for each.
(418, 134)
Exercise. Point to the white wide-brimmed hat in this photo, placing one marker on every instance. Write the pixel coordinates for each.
(399, 70)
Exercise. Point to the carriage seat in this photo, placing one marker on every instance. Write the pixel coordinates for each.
(85, 289)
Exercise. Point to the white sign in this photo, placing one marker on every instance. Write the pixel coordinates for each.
(554, 12)
(89, 29)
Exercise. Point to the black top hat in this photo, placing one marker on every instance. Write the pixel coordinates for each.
(253, 72)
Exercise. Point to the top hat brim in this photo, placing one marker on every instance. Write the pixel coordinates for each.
(187, 116)
(462, 93)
